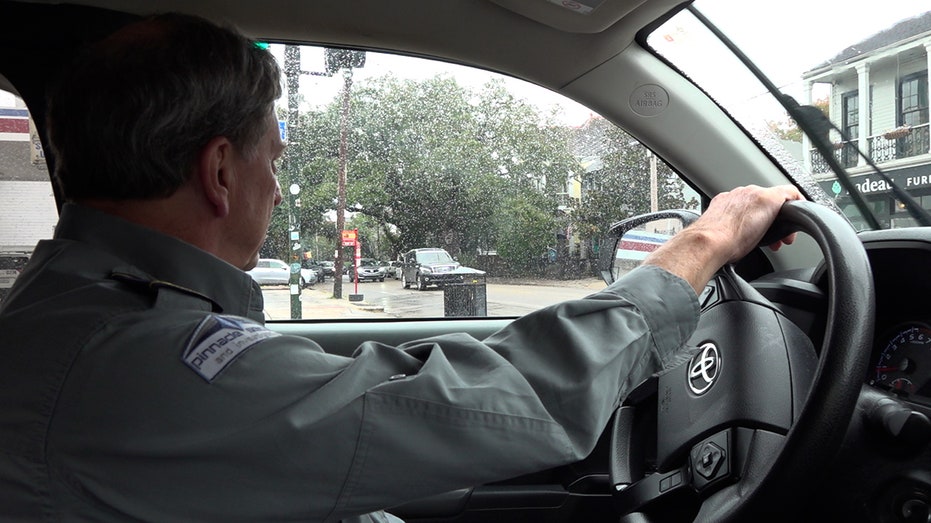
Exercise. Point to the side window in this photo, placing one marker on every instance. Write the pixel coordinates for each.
(515, 182)
(27, 203)
(913, 99)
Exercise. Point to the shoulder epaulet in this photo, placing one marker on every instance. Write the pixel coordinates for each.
(167, 294)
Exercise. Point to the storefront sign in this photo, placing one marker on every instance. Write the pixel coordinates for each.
(912, 179)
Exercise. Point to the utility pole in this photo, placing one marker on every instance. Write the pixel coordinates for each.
(341, 178)
(345, 60)
(654, 185)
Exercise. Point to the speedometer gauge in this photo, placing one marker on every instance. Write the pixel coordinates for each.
(904, 364)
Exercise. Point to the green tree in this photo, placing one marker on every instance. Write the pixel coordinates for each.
(526, 234)
(432, 163)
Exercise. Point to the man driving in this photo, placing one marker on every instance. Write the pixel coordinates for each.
(140, 382)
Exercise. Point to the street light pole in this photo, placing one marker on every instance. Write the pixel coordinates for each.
(654, 185)
(292, 65)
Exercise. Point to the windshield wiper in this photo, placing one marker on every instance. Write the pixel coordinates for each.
(817, 126)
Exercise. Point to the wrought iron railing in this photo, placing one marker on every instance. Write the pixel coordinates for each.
(891, 145)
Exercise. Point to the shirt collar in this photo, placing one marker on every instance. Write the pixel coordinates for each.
(164, 258)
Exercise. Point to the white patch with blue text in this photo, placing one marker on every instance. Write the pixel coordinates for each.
(219, 340)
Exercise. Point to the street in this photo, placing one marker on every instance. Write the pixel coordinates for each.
(389, 299)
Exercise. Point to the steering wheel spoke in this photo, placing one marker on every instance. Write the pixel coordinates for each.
(654, 487)
(711, 464)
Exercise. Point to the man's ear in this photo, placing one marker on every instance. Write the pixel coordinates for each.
(215, 173)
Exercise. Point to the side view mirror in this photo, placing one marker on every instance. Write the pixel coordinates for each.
(628, 242)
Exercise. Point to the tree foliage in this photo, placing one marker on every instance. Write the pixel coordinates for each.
(432, 163)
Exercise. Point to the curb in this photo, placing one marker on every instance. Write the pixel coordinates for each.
(370, 307)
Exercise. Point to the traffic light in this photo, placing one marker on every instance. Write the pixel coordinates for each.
(337, 59)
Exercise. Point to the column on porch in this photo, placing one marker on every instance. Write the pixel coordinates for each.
(863, 98)
(928, 60)
(806, 142)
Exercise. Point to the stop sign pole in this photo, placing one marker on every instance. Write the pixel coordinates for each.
(358, 257)
(350, 238)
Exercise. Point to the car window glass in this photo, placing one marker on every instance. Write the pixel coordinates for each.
(490, 173)
(508, 179)
(27, 203)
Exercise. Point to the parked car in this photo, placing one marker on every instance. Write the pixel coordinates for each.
(327, 268)
(269, 271)
(310, 276)
(318, 269)
(371, 272)
(497, 125)
(369, 269)
(393, 269)
(428, 266)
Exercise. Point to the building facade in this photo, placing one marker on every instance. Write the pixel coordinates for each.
(877, 96)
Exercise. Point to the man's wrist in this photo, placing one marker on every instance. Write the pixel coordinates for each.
(694, 255)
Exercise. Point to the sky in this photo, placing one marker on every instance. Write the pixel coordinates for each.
(813, 31)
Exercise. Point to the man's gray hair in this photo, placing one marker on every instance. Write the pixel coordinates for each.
(130, 114)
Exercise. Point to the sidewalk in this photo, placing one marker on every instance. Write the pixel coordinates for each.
(317, 304)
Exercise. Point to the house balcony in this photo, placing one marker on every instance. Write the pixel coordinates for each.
(892, 145)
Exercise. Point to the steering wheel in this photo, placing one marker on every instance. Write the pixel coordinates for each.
(755, 412)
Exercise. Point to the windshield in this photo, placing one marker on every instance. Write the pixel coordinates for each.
(866, 71)
(434, 257)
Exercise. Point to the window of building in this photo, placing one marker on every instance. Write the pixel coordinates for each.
(851, 125)
(913, 99)
(851, 107)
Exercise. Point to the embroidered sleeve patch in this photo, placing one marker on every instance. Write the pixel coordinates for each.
(219, 340)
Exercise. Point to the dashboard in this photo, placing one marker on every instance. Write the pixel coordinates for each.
(901, 359)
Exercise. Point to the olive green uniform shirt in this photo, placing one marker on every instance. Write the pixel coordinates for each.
(138, 383)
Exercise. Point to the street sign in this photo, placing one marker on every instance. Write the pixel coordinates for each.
(349, 237)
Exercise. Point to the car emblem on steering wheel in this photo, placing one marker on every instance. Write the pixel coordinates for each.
(704, 368)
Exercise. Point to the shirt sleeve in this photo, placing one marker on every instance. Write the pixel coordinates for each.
(291, 432)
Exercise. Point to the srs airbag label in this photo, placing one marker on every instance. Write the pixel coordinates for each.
(219, 340)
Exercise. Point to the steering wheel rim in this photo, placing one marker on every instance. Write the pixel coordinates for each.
(820, 426)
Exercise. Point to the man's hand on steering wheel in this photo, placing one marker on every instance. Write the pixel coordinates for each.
(732, 225)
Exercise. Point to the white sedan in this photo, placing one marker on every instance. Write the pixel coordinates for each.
(269, 271)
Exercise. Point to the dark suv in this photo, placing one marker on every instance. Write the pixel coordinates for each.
(429, 266)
